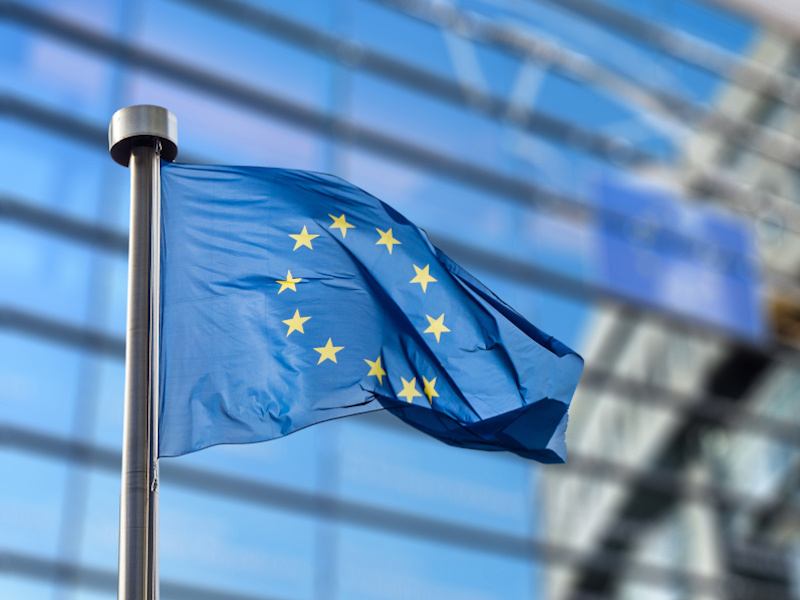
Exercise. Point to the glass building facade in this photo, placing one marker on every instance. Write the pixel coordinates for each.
(485, 123)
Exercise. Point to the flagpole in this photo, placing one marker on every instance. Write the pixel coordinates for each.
(139, 137)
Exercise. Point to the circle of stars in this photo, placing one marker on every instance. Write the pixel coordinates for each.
(327, 352)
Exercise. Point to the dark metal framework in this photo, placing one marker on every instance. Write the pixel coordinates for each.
(524, 192)
(373, 517)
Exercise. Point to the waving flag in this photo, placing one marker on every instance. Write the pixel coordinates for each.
(290, 298)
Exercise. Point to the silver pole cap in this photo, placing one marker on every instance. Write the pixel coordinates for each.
(139, 125)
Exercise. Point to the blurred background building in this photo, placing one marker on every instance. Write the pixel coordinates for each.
(623, 173)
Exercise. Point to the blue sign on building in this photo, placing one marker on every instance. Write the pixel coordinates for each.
(681, 257)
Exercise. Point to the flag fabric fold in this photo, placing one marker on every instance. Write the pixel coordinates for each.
(289, 298)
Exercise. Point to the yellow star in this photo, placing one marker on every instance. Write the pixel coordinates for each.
(303, 238)
(296, 323)
(436, 326)
(328, 351)
(387, 239)
(423, 277)
(429, 389)
(410, 390)
(289, 282)
(375, 369)
(341, 224)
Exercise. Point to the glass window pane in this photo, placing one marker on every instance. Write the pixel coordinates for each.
(29, 398)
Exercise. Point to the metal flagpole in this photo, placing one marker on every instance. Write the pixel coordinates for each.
(138, 138)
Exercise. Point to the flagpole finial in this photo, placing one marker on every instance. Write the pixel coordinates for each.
(142, 124)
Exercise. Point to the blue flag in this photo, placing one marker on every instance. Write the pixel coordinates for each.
(290, 298)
